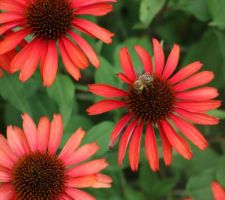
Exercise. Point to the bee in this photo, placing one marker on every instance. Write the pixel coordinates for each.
(143, 82)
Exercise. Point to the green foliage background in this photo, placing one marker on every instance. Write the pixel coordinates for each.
(199, 27)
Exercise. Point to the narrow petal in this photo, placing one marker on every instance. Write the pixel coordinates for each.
(200, 94)
(12, 7)
(186, 72)
(9, 26)
(10, 17)
(106, 90)
(179, 144)
(124, 78)
(126, 64)
(5, 161)
(72, 144)
(43, 134)
(79, 194)
(88, 168)
(30, 130)
(190, 132)
(124, 141)
(75, 54)
(98, 9)
(56, 131)
(118, 129)
(201, 106)
(71, 68)
(12, 40)
(172, 61)
(134, 149)
(81, 154)
(17, 143)
(198, 118)
(145, 58)
(151, 148)
(218, 191)
(196, 80)
(94, 30)
(50, 65)
(87, 49)
(5, 176)
(81, 182)
(81, 3)
(6, 191)
(166, 147)
(105, 106)
(158, 57)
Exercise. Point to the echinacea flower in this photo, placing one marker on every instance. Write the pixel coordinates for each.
(31, 169)
(48, 23)
(217, 190)
(158, 97)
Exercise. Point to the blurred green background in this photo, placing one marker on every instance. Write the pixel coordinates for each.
(198, 26)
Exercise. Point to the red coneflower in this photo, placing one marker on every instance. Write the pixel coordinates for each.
(155, 98)
(31, 169)
(49, 22)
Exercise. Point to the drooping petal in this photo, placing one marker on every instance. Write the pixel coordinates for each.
(186, 72)
(43, 134)
(124, 141)
(71, 68)
(190, 132)
(166, 147)
(145, 58)
(179, 144)
(126, 64)
(198, 106)
(198, 118)
(88, 168)
(87, 49)
(151, 148)
(50, 64)
(172, 61)
(196, 80)
(79, 194)
(105, 106)
(98, 9)
(119, 128)
(56, 131)
(93, 30)
(200, 94)
(30, 130)
(106, 90)
(134, 148)
(12, 40)
(159, 57)
(218, 191)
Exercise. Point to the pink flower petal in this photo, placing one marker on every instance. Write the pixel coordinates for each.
(186, 72)
(79, 194)
(158, 57)
(106, 90)
(30, 130)
(134, 149)
(151, 148)
(105, 106)
(124, 78)
(145, 58)
(118, 129)
(43, 134)
(126, 64)
(172, 61)
(81, 3)
(6, 191)
(218, 191)
(124, 141)
(180, 145)
(190, 132)
(56, 131)
(196, 80)
(10, 17)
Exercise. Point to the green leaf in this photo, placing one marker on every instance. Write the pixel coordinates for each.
(217, 10)
(63, 92)
(220, 172)
(13, 91)
(149, 9)
(217, 113)
(100, 133)
(199, 186)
